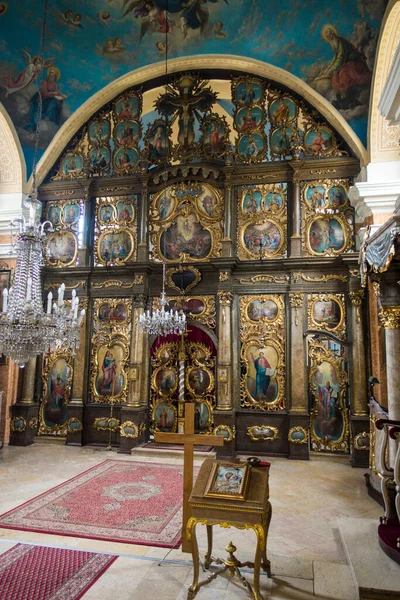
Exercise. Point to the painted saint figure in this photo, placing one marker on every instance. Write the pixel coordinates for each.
(261, 365)
(57, 392)
(109, 369)
(28, 75)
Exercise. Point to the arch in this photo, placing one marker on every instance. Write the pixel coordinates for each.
(12, 161)
(383, 139)
(228, 62)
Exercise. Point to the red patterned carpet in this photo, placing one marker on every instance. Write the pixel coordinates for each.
(40, 573)
(117, 501)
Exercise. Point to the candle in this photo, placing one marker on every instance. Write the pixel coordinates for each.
(5, 299)
(76, 307)
(49, 302)
(62, 288)
(29, 290)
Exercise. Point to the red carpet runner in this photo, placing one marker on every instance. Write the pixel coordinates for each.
(40, 573)
(117, 501)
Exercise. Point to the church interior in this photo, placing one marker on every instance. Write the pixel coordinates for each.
(200, 301)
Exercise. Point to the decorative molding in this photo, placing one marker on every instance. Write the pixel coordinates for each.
(182, 269)
(18, 424)
(298, 435)
(106, 424)
(225, 298)
(390, 317)
(296, 301)
(52, 286)
(33, 423)
(228, 433)
(138, 280)
(263, 279)
(356, 298)
(319, 279)
(224, 276)
(362, 441)
(263, 433)
(129, 429)
(74, 425)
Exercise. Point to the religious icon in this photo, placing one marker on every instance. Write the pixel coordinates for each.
(326, 235)
(186, 236)
(166, 381)
(248, 119)
(262, 383)
(319, 141)
(55, 411)
(337, 196)
(327, 314)
(282, 110)
(315, 196)
(249, 92)
(115, 246)
(54, 214)
(99, 131)
(252, 148)
(191, 306)
(100, 158)
(110, 379)
(202, 414)
(126, 159)
(284, 140)
(198, 381)
(72, 164)
(127, 133)
(107, 213)
(273, 202)
(215, 136)
(125, 212)
(164, 417)
(263, 238)
(157, 142)
(108, 313)
(61, 248)
(228, 480)
(328, 422)
(127, 108)
(258, 310)
(165, 206)
(251, 203)
(71, 214)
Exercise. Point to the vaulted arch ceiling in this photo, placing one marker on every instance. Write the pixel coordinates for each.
(330, 46)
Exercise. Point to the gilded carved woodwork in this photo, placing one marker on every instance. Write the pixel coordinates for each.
(296, 301)
(115, 230)
(106, 424)
(262, 221)
(129, 429)
(318, 278)
(57, 376)
(328, 384)
(61, 248)
(186, 223)
(183, 279)
(18, 424)
(228, 433)
(262, 355)
(390, 317)
(263, 279)
(298, 435)
(196, 308)
(356, 298)
(362, 441)
(74, 425)
(327, 312)
(263, 433)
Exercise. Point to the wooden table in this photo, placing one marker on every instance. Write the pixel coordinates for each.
(252, 513)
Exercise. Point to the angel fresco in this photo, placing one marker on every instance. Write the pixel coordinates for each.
(31, 72)
(156, 15)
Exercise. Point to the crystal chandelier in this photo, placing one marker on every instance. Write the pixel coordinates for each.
(160, 321)
(25, 329)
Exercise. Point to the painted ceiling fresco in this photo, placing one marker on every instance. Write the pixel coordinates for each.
(89, 43)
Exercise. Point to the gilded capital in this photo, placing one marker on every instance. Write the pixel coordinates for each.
(140, 301)
(225, 298)
(296, 299)
(390, 317)
(356, 297)
(224, 276)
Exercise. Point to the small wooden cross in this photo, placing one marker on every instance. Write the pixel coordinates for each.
(188, 439)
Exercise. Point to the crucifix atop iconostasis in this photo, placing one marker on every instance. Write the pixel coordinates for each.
(185, 99)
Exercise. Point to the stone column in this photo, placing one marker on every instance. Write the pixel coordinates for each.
(224, 374)
(390, 316)
(298, 410)
(142, 226)
(227, 239)
(359, 396)
(28, 385)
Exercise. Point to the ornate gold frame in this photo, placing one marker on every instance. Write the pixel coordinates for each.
(111, 232)
(154, 385)
(183, 207)
(330, 250)
(202, 400)
(274, 97)
(245, 302)
(293, 430)
(247, 80)
(208, 314)
(241, 495)
(315, 184)
(315, 127)
(340, 329)
(137, 94)
(48, 364)
(154, 427)
(74, 420)
(130, 425)
(14, 427)
(226, 148)
(108, 341)
(262, 438)
(230, 430)
(59, 233)
(172, 270)
(252, 159)
(151, 126)
(114, 211)
(125, 170)
(362, 436)
(318, 354)
(189, 387)
(110, 423)
(71, 174)
(117, 326)
(103, 118)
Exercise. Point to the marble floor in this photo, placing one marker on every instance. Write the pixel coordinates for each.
(304, 545)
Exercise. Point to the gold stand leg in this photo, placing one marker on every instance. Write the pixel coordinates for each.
(266, 564)
(191, 536)
(207, 557)
(260, 551)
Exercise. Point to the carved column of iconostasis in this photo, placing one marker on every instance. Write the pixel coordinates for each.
(109, 364)
(133, 414)
(390, 316)
(359, 394)
(227, 242)
(295, 238)
(143, 254)
(24, 413)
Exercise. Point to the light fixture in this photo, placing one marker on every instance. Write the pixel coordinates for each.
(160, 321)
(25, 329)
